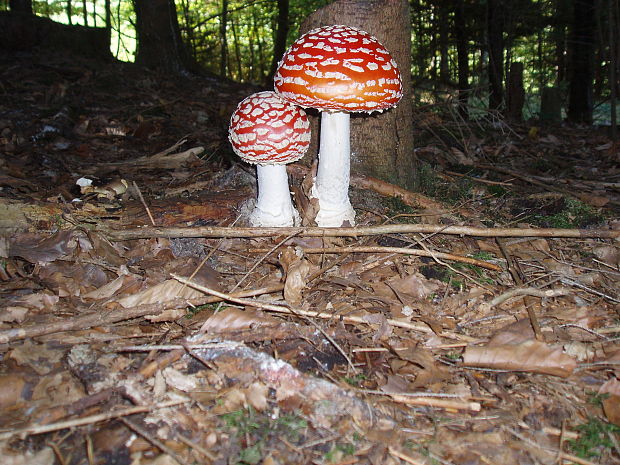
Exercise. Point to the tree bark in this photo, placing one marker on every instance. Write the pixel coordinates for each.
(223, 39)
(495, 47)
(580, 104)
(21, 6)
(443, 14)
(85, 13)
(516, 92)
(462, 58)
(68, 11)
(159, 38)
(279, 44)
(381, 143)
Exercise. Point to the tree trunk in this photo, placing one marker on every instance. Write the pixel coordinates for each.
(612, 15)
(443, 14)
(68, 10)
(516, 92)
(561, 19)
(381, 143)
(159, 37)
(233, 25)
(462, 58)
(108, 15)
(551, 105)
(21, 6)
(495, 46)
(582, 67)
(85, 13)
(223, 39)
(279, 44)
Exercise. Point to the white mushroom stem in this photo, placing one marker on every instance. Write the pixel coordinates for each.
(331, 185)
(274, 207)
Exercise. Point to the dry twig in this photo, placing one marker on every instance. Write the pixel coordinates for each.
(399, 250)
(40, 429)
(223, 231)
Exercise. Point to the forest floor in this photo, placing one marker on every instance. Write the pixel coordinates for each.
(463, 334)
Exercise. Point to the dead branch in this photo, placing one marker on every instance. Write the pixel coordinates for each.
(521, 291)
(40, 429)
(103, 318)
(223, 231)
(399, 250)
(438, 403)
(387, 189)
(544, 185)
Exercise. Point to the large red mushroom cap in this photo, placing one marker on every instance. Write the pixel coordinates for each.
(339, 68)
(266, 130)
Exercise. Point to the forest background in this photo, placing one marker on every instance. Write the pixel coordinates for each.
(494, 54)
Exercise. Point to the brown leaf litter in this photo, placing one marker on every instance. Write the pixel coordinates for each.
(147, 325)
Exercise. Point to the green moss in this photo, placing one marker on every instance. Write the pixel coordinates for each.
(594, 439)
(574, 214)
(258, 428)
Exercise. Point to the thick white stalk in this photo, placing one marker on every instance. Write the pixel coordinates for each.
(331, 185)
(274, 206)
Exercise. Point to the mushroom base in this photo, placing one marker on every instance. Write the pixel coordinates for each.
(331, 185)
(274, 207)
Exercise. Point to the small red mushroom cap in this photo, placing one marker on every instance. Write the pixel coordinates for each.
(266, 130)
(339, 68)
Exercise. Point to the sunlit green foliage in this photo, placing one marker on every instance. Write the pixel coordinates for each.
(537, 33)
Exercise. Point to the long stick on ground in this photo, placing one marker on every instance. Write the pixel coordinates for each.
(219, 231)
(399, 250)
(299, 312)
(40, 429)
(101, 317)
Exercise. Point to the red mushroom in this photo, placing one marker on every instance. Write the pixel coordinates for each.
(338, 70)
(270, 132)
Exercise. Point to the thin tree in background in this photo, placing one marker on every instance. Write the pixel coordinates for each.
(69, 13)
(108, 15)
(462, 52)
(580, 105)
(612, 19)
(279, 44)
(223, 40)
(85, 13)
(495, 47)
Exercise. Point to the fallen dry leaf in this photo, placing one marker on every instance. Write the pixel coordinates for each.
(235, 319)
(414, 285)
(531, 356)
(43, 457)
(611, 403)
(296, 270)
(168, 290)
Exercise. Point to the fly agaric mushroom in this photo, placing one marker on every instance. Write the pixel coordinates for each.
(270, 132)
(337, 70)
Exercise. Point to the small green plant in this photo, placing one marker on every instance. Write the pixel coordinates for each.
(58, 220)
(574, 214)
(597, 399)
(453, 356)
(497, 191)
(396, 206)
(192, 311)
(355, 380)
(251, 455)
(483, 255)
(338, 451)
(259, 428)
(594, 438)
